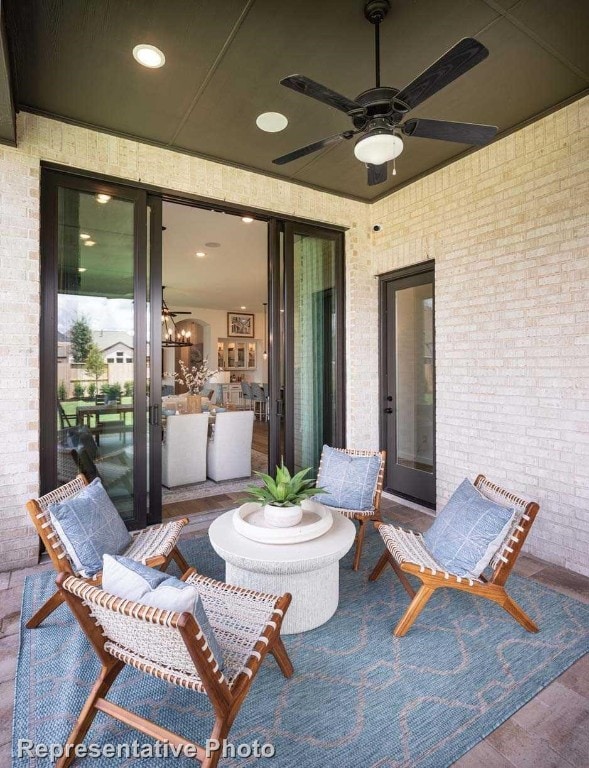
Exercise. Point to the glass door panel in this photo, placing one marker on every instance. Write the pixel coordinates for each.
(314, 344)
(409, 385)
(94, 355)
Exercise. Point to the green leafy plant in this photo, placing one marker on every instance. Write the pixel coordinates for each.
(61, 391)
(78, 390)
(284, 490)
(91, 390)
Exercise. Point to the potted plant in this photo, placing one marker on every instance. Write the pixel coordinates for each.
(282, 495)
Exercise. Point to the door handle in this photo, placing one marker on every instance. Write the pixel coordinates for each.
(154, 415)
(388, 410)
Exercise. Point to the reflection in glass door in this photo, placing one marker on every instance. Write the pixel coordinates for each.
(310, 321)
(408, 384)
(94, 360)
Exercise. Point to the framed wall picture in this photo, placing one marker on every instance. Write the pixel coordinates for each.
(240, 324)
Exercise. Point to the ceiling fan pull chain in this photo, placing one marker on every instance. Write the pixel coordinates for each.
(394, 166)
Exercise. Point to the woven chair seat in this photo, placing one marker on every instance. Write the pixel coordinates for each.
(408, 547)
(351, 513)
(148, 641)
(157, 540)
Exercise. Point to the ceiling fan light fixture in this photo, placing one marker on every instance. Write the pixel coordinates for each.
(378, 147)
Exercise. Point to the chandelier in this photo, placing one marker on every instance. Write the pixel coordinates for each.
(171, 336)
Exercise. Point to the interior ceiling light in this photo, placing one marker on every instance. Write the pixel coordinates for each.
(243, 307)
(213, 245)
(201, 254)
(378, 147)
(101, 198)
(149, 56)
(247, 219)
(271, 122)
(81, 269)
(84, 236)
(89, 243)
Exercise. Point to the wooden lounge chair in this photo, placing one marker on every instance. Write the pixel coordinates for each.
(155, 546)
(406, 553)
(171, 647)
(362, 516)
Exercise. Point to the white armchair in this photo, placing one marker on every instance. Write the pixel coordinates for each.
(229, 452)
(184, 451)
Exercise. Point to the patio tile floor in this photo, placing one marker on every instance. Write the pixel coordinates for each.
(551, 731)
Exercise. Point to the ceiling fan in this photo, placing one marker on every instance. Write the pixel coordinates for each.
(377, 113)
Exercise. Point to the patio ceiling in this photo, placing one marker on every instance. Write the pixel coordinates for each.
(73, 60)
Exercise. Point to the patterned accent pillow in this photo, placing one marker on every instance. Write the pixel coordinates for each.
(127, 578)
(468, 532)
(349, 481)
(89, 526)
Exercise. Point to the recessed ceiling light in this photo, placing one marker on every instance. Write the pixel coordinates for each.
(101, 198)
(201, 254)
(81, 269)
(247, 219)
(84, 236)
(149, 56)
(89, 243)
(243, 307)
(212, 245)
(271, 122)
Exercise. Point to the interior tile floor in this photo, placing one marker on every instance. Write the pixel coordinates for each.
(551, 731)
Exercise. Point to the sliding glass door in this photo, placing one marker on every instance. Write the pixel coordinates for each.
(307, 387)
(95, 412)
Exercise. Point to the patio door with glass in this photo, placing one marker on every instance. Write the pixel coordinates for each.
(307, 343)
(407, 382)
(96, 416)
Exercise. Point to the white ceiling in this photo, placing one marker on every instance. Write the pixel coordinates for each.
(231, 276)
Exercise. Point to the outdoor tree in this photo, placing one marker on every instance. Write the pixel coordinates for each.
(81, 339)
(95, 364)
(62, 391)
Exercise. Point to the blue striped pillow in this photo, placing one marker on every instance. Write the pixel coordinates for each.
(349, 480)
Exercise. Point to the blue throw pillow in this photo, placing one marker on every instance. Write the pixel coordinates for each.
(89, 526)
(124, 577)
(468, 532)
(349, 481)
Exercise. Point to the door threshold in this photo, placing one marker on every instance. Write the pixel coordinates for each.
(407, 503)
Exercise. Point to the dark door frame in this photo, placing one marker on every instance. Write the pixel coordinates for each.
(154, 197)
(385, 327)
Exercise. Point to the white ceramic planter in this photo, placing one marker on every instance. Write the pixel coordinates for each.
(282, 517)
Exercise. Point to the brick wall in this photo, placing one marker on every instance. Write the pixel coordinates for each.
(507, 227)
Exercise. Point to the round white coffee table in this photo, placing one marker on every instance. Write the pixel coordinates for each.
(309, 570)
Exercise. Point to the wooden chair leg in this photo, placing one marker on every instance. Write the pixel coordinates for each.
(101, 687)
(46, 609)
(518, 614)
(219, 734)
(359, 543)
(379, 567)
(282, 658)
(178, 557)
(416, 606)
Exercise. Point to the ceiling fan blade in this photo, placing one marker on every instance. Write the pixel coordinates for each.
(464, 133)
(310, 148)
(463, 56)
(376, 174)
(307, 87)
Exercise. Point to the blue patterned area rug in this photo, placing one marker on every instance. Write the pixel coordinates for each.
(359, 697)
